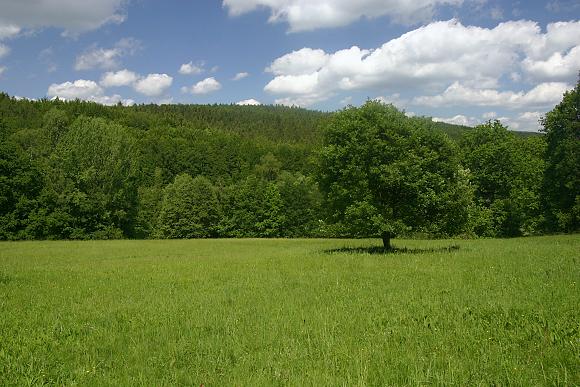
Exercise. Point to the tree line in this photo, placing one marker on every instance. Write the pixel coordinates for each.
(79, 170)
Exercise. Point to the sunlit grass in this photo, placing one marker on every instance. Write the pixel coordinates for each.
(300, 312)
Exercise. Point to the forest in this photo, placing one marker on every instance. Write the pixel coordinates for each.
(80, 170)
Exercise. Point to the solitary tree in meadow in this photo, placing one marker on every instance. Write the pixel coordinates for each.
(384, 174)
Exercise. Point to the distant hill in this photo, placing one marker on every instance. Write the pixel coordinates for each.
(275, 123)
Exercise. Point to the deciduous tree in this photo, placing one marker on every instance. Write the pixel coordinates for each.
(384, 174)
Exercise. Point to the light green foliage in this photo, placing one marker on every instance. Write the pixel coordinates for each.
(288, 312)
(561, 186)
(385, 174)
(268, 168)
(252, 208)
(301, 204)
(54, 125)
(95, 176)
(150, 201)
(189, 209)
(506, 172)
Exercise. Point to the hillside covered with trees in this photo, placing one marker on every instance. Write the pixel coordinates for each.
(80, 170)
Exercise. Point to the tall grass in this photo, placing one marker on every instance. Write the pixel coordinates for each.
(298, 312)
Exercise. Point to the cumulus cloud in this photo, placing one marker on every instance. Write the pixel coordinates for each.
(119, 78)
(4, 50)
(542, 95)
(301, 62)
(250, 101)
(459, 119)
(113, 100)
(239, 76)
(300, 101)
(306, 84)
(82, 89)
(206, 86)
(526, 121)
(71, 15)
(191, 69)
(153, 85)
(85, 90)
(8, 31)
(559, 66)
(304, 15)
(431, 58)
(106, 58)
(394, 99)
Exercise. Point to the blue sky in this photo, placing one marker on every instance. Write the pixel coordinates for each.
(460, 61)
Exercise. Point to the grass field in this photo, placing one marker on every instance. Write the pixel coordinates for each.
(290, 312)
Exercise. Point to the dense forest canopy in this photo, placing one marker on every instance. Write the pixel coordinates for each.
(80, 170)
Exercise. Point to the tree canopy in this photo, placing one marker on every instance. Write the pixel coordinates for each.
(561, 186)
(384, 174)
(80, 170)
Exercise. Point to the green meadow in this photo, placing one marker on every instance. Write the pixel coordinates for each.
(251, 312)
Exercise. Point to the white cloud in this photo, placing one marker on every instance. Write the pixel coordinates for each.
(555, 68)
(82, 89)
(128, 102)
(394, 99)
(430, 58)
(206, 86)
(250, 101)
(85, 90)
(8, 31)
(119, 78)
(153, 85)
(191, 69)
(4, 50)
(98, 58)
(71, 15)
(19, 98)
(527, 121)
(301, 62)
(305, 84)
(2, 69)
(457, 120)
(303, 15)
(489, 115)
(542, 95)
(166, 101)
(239, 76)
(302, 101)
(106, 58)
(113, 100)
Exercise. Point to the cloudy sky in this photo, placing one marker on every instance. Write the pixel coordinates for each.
(461, 61)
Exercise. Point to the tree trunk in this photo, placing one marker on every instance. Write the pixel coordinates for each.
(387, 241)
